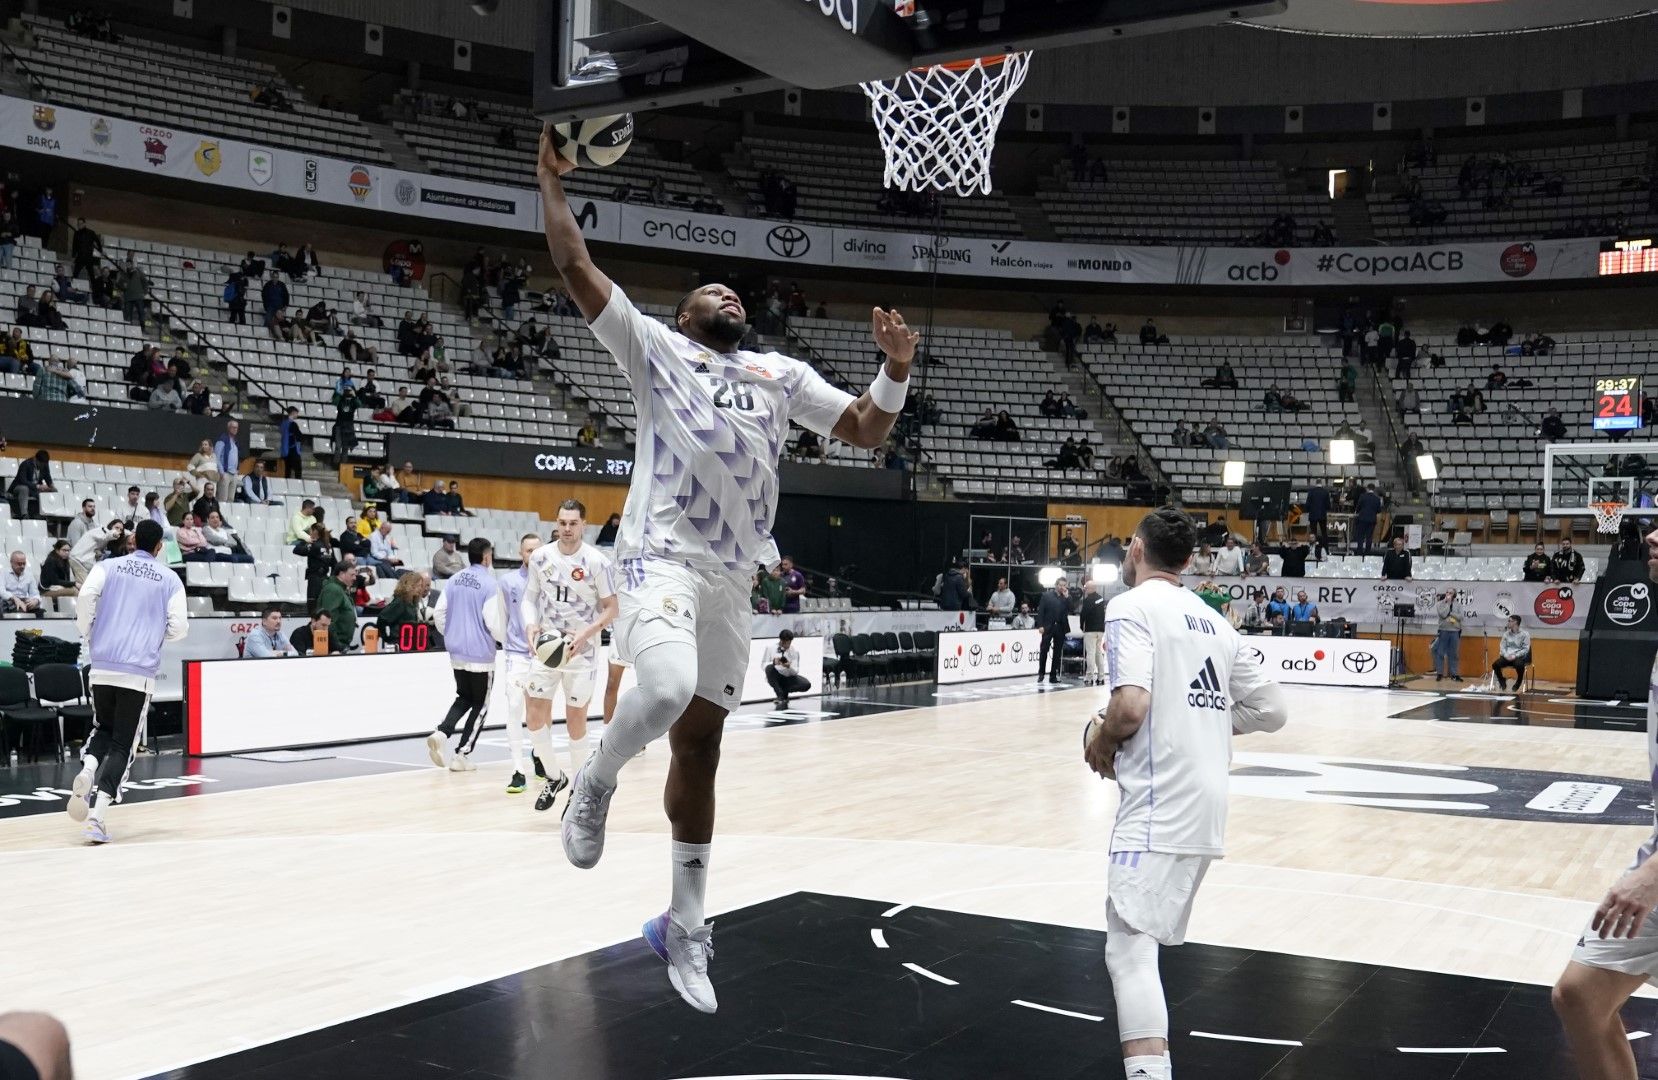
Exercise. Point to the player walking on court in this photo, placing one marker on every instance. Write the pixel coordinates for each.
(1181, 686)
(570, 590)
(712, 420)
(470, 618)
(515, 662)
(128, 608)
(1619, 950)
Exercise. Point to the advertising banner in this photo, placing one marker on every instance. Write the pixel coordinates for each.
(1478, 603)
(1324, 661)
(233, 707)
(159, 149)
(976, 655)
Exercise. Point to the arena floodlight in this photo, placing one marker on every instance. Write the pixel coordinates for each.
(1232, 473)
(1105, 573)
(1343, 452)
(1426, 467)
(1048, 575)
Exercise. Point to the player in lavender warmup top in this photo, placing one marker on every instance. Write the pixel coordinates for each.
(515, 662)
(570, 590)
(712, 420)
(1619, 950)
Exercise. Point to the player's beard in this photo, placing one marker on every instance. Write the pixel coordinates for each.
(718, 328)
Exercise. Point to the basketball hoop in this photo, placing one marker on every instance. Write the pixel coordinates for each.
(938, 124)
(1608, 515)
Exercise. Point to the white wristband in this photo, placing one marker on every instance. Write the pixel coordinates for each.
(887, 393)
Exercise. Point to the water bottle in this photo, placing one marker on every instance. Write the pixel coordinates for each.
(14, 759)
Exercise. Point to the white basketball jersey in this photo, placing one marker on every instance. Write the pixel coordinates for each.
(562, 592)
(1651, 844)
(1173, 772)
(711, 428)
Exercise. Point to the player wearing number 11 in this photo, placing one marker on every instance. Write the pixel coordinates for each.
(712, 419)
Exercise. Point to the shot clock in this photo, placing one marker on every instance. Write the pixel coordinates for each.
(1617, 402)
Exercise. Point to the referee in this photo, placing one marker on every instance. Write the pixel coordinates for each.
(471, 622)
(128, 608)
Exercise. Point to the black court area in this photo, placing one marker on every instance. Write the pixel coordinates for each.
(829, 986)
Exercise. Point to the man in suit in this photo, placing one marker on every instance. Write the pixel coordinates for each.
(1365, 511)
(1318, 513)
(1053, 618)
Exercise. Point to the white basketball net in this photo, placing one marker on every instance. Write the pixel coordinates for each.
(1608, 515)
(938, 126)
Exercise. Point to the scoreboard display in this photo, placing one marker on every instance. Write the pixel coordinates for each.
(1617, 402)
(1628, 257)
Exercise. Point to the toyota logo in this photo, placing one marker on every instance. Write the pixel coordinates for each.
(789, 242)
(1359, 662)
(1255, 654)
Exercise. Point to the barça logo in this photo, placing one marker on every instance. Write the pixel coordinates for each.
(360, 181)
(155, 151)
(208, 157)
(46, 117)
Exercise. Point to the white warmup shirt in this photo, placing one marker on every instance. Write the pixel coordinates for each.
(1173, 772)
(563, 592)
(711, 428)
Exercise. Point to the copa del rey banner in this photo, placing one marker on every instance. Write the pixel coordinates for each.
(160, 149)
(1479, 603)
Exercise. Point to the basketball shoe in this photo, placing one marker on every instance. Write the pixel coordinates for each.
(686, 953)
(80, 789)
(549, 792)
(437, 745)
(582, 827)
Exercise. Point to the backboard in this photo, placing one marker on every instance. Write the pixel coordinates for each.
(1578, 474)
(684, 53)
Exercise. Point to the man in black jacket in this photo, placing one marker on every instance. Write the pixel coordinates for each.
(84, 247)
(1396, 563)
(1053, 618)
(1092, 617)
(954, 593)
(1567, 564)
(1318, 513)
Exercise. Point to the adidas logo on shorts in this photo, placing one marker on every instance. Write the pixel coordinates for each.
(1206, 688)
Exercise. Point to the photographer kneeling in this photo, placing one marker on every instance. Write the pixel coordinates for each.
(784, 670)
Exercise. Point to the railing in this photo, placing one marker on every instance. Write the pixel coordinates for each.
(820, 583)
(1149, 465)
(1390, 405)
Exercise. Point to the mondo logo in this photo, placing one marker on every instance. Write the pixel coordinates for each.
(1518, 260)
(1359, 663)
(789, 242)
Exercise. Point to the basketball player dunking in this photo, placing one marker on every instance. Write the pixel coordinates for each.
(1181, 686)
(712, 421)
(1619, 950)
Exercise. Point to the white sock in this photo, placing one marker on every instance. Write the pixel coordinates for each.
(95, 806)
(690, 882)
(515, 735)
(1146, 1068)
(542, 740)
(1168, 1066)
(579, 749)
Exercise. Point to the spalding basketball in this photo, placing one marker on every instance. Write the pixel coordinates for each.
(597, 142)
(552, 650)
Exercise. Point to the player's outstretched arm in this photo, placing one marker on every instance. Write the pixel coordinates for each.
(868, 421)
(588, 288)
(1257, 701)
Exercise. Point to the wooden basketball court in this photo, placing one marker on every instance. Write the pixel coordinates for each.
(1469, 838)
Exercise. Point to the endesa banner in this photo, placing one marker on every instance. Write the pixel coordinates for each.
(208, 159)
(1478, 603)
(976, 655)
(1323, 661)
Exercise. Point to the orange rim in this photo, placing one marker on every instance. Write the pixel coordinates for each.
(959, 66)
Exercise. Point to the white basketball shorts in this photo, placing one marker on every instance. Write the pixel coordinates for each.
(1632, 956)
(576, 680)
(515, 669)
(706, 609)
(1153, 892)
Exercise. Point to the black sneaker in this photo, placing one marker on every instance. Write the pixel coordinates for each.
(549, 792)
(515, 786)
(540, 769)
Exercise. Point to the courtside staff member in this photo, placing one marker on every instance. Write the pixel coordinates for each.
(129, 607)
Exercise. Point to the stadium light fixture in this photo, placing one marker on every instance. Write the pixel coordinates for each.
(1232, 473)
(1426, 467)
(1343, 452)
(1048, 575)
(1104, 573)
